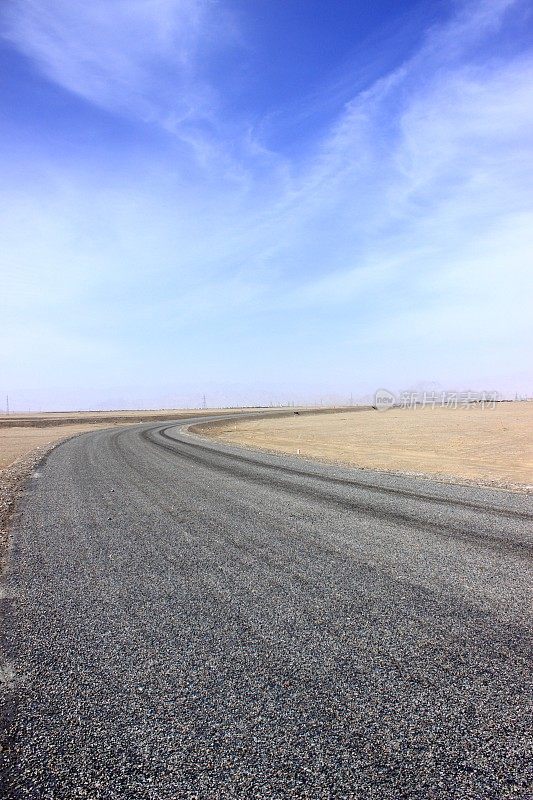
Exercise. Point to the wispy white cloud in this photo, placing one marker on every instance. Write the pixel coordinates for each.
(406, 226)
(134, 57)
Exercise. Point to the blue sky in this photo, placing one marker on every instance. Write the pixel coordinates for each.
(263, 200)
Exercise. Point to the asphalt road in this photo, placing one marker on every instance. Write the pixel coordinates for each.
(186, 620)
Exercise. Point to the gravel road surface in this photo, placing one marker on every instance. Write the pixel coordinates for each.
(184, 619)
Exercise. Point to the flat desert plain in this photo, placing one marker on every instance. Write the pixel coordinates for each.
(491, 445)
(21, 434)
(17, 442)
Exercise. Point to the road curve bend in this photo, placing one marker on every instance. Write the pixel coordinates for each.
(183, 619)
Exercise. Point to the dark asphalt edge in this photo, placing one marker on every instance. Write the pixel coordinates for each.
(16, 486)
(9, 692)
(522, 489)
(20, 493)
(28, 464)
(523, 549)
(375, 477)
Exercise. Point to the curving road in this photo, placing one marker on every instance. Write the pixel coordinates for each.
(187, 620)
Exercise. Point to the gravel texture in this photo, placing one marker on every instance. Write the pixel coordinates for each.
(474, 444)
(190, 620)
(12, 481)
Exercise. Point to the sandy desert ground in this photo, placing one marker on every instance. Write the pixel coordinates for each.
(490, 445)
(16, 442)
(22, 433)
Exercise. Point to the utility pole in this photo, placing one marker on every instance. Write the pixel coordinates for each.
(204, 402)
(7, 404)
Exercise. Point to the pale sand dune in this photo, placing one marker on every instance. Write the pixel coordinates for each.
(493, 445)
